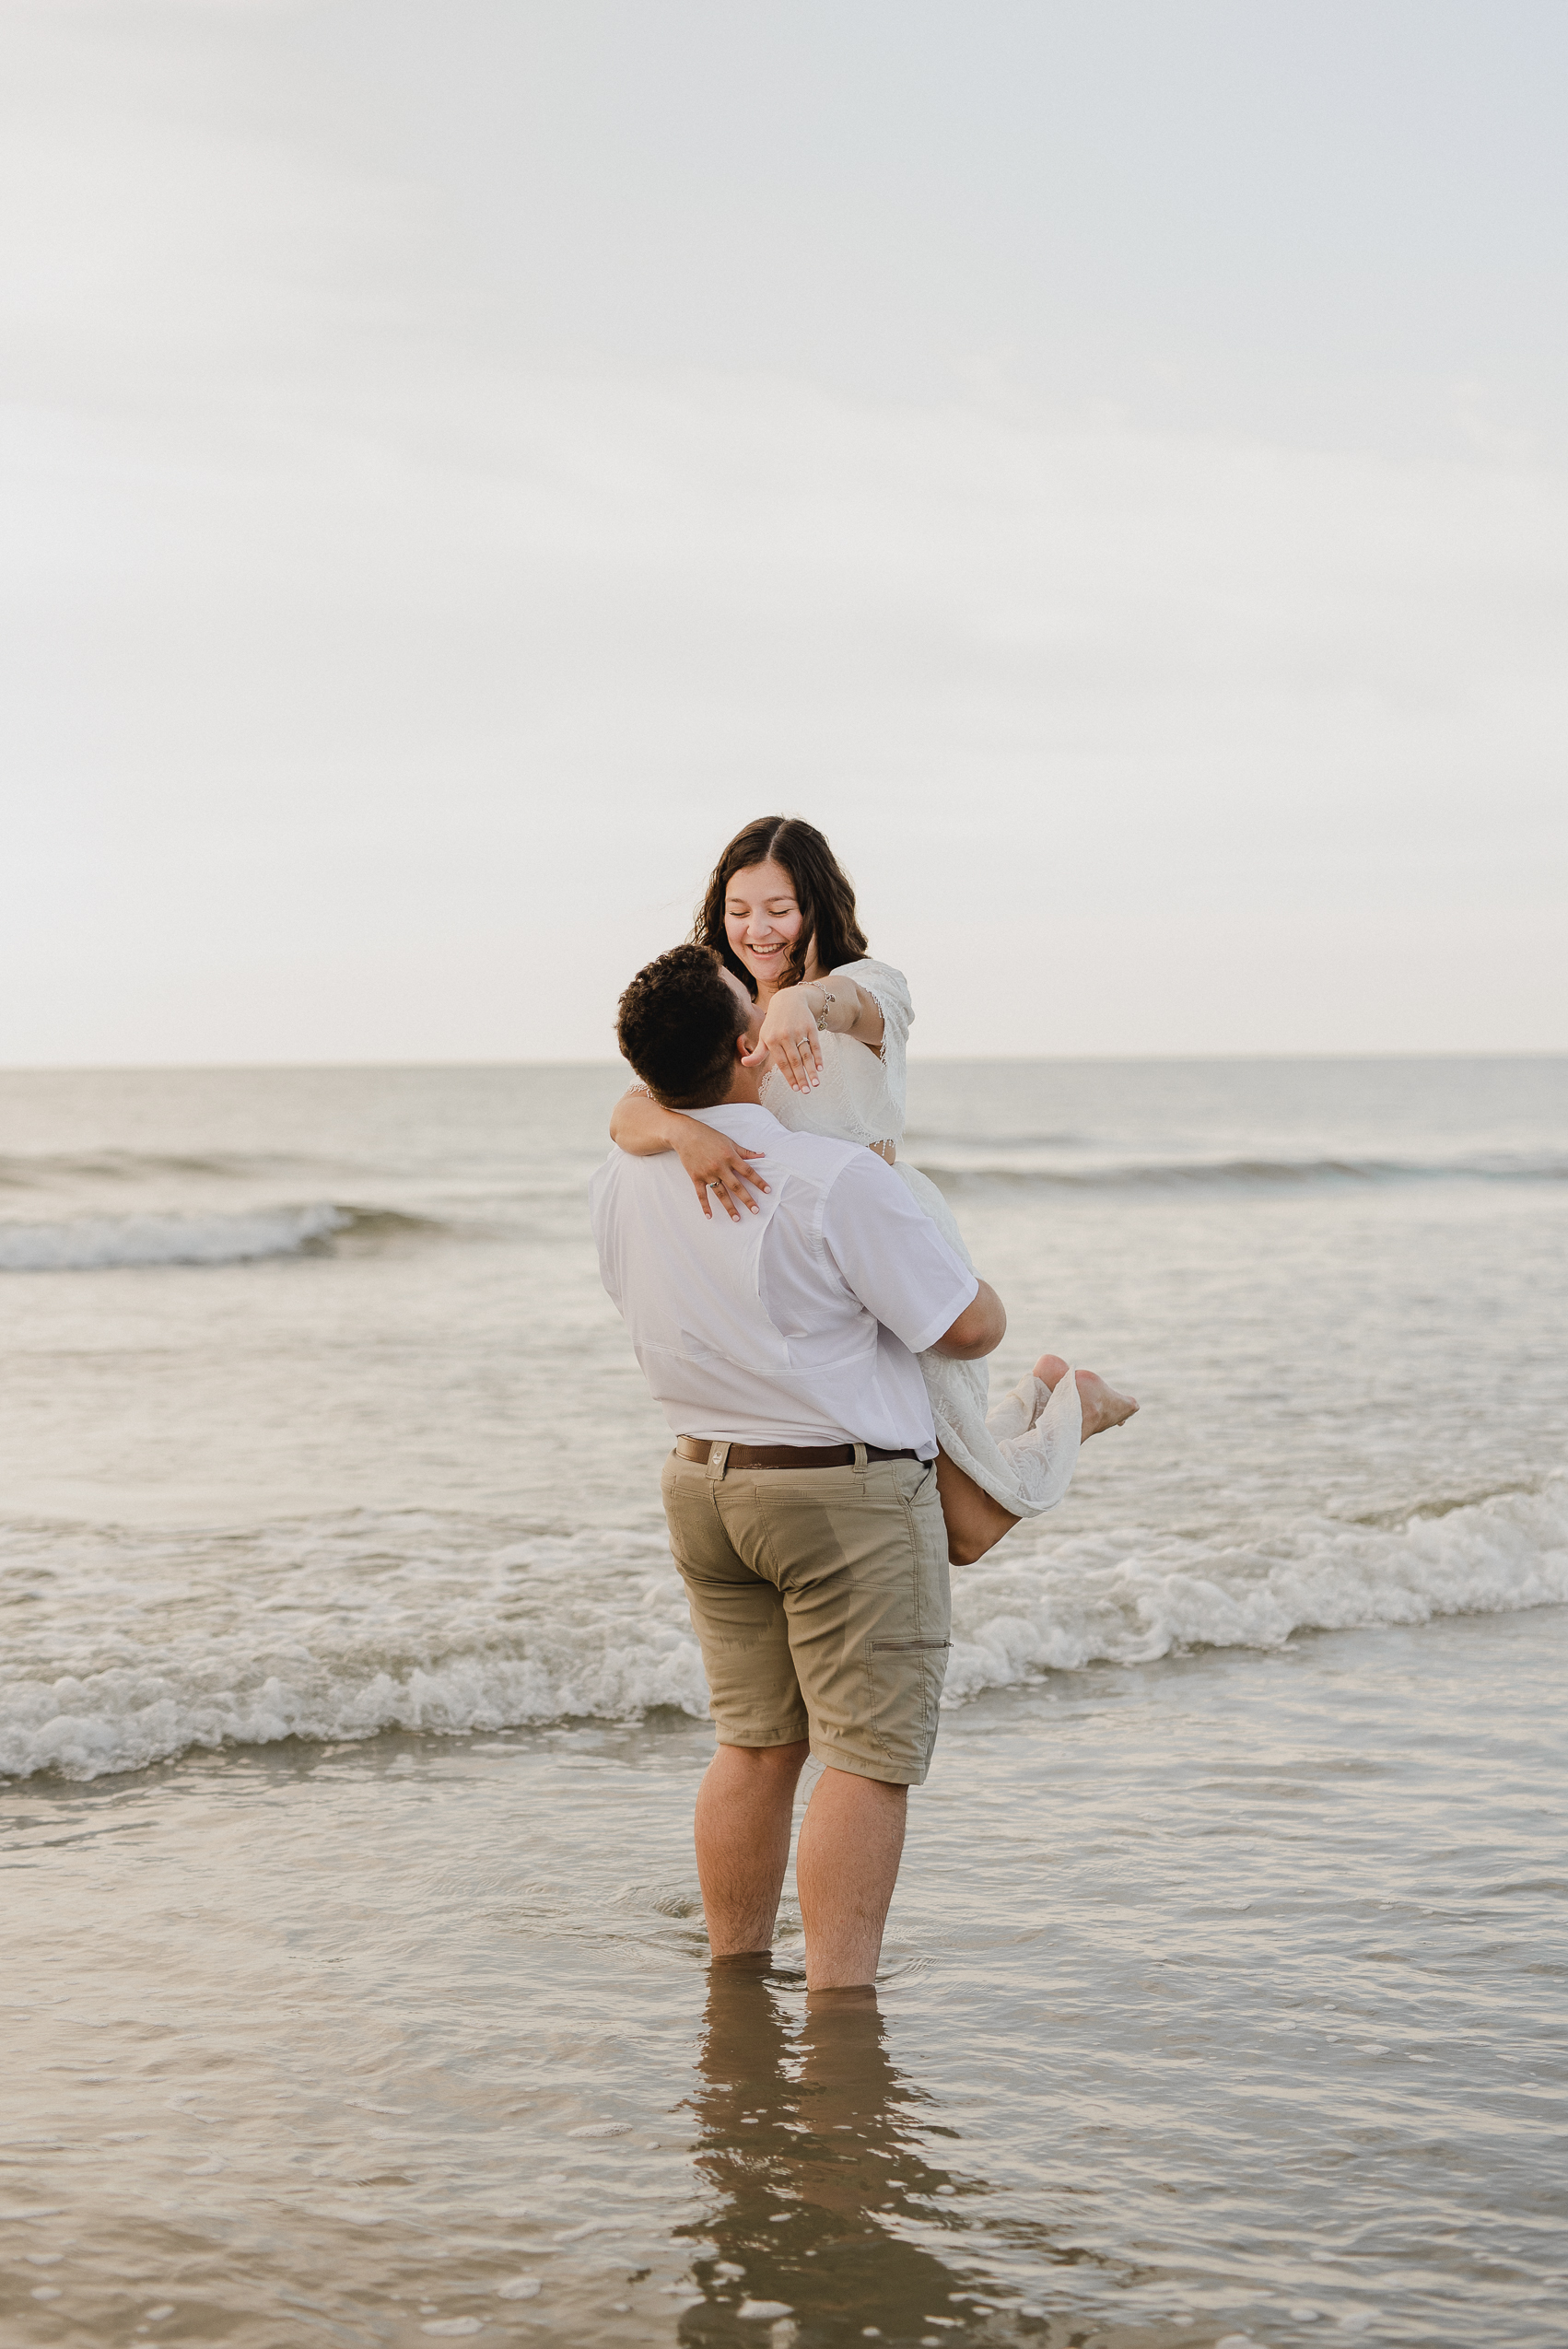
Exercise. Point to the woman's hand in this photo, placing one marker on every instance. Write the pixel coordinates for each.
(788, 1037)
(717, 1165)
(718, 1168)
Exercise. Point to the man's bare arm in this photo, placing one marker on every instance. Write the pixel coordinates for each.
(978, 1330)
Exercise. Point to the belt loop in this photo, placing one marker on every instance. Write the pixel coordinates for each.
(860, 1459)
(717, 1461)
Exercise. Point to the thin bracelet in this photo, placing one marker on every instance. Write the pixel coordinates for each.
(827, 997)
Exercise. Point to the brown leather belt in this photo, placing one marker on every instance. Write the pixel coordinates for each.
(782, 1455)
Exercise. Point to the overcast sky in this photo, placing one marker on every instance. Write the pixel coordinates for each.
(1106, 464)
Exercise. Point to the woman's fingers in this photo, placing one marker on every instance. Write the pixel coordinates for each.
(713, 1188)
(730, 1189)
(700, 1188)
(727, 1184)
(736, 1169)
(789, 1060)
(798, 1059)
(739, 1176)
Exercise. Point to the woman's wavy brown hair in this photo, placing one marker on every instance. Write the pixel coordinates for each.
(823, 889)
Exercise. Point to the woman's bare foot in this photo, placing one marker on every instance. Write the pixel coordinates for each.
(1102, 1407)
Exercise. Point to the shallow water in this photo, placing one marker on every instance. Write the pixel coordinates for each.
(1220, 1997)
(402, 1471)
(352, 1877)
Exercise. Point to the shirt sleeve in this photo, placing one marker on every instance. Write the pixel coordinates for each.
(889, 1254)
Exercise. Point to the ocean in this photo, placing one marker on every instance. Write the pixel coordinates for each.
(351, 1965)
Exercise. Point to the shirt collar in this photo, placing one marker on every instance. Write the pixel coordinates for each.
(739, 1119)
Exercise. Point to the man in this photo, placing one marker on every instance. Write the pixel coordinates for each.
(801, 1493)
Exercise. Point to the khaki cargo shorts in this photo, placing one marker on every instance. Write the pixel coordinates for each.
(820, 1596)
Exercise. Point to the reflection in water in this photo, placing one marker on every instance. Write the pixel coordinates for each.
(805, 2141)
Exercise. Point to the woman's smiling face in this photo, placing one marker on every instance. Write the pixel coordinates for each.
(762, 920)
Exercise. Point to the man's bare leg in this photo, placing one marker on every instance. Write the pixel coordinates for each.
(845, 1867)
(975, 1521)
(744, 1809)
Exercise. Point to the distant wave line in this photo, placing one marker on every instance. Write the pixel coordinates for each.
(953, 1165)
(30, 1172)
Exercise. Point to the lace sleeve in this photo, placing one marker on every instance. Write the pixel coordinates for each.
(892, 992)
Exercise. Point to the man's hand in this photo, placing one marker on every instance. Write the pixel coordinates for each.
(978, 1330)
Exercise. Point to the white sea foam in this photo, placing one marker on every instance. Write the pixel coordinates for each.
(1133, 1598)
(346, 1630)
(129, 1716)
(95, 1242)
(101, 1242)
(329, 1630)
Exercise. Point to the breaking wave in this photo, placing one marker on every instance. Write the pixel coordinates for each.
(344, 1630)
(1134, 1597)
(101, 1243)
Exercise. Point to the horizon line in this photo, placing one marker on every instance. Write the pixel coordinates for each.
(933, 1060)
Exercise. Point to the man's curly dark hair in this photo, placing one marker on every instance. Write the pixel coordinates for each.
(677, 1024)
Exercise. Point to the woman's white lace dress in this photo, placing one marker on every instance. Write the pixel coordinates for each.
(1022, 1449)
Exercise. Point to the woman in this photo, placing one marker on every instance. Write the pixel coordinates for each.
(780, 913)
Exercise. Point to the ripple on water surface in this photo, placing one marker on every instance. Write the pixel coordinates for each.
(1221, 1998)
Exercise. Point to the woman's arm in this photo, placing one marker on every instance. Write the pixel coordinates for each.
(797, 1015)
(717, 1165)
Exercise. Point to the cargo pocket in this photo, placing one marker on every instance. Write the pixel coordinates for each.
(907, 1694)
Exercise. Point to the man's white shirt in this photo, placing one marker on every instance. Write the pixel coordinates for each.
(800, 1324)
